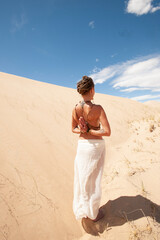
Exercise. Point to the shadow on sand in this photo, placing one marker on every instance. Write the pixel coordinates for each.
(119, 211)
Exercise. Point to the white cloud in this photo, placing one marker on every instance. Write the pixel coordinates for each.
(142, 74)
(113, 55)
(109, 72)
(154, 9)
(140, 7)
(18, 22)
(156, 90)
(146, 97)
(103, 75)
(91, 24)
(135, 75)
(128, 90)
(97, 59)
(96, 69)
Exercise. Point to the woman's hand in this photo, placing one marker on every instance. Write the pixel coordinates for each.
(82, 124)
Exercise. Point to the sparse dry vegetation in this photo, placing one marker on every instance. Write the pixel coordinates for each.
(151, 127)
(150, 230)
(144, 191)
(128, 163)
(137, 149)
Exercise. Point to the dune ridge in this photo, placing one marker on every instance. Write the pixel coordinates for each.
(37, 153)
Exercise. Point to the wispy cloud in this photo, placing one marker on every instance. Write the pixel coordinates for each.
(113, 55)
(91, 24)
(95, 70)
(156, 90)
(108, 73)
(143, 74)
(134, 75)
(146, 97)
(140, 7)
(18, 22)
(129, 90)
(97, 59)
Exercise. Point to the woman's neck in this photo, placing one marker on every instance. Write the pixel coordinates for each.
(87, 98)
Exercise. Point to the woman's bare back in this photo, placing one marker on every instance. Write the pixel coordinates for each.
(91, 114)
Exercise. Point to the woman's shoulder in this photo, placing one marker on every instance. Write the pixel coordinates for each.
(99, 109)
(96, 109)
(98, 106)
(76, 107)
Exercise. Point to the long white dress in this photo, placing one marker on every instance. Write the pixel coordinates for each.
(88, 169)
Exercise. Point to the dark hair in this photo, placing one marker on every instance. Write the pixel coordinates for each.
(84, 85)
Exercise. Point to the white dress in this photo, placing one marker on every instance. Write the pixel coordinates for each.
(88, 169)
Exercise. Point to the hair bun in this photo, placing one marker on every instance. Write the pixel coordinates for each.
(84, 77)
(84, 85)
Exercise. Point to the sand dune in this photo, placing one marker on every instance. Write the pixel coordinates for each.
(153, 104)
(37, 151)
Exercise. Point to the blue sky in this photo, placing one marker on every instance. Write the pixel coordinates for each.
(116, 42)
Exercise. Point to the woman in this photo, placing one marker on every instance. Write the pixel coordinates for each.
(89, 161)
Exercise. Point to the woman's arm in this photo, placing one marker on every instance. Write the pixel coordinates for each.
(106, 130)
(75, 128)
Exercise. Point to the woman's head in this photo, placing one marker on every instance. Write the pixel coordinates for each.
(85, 85)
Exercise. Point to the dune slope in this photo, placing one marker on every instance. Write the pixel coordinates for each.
(37, 153)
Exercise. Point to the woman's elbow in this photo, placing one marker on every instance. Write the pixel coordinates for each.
(108, 133)
(73, 130)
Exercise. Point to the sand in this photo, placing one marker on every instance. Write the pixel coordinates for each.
(37, 151)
